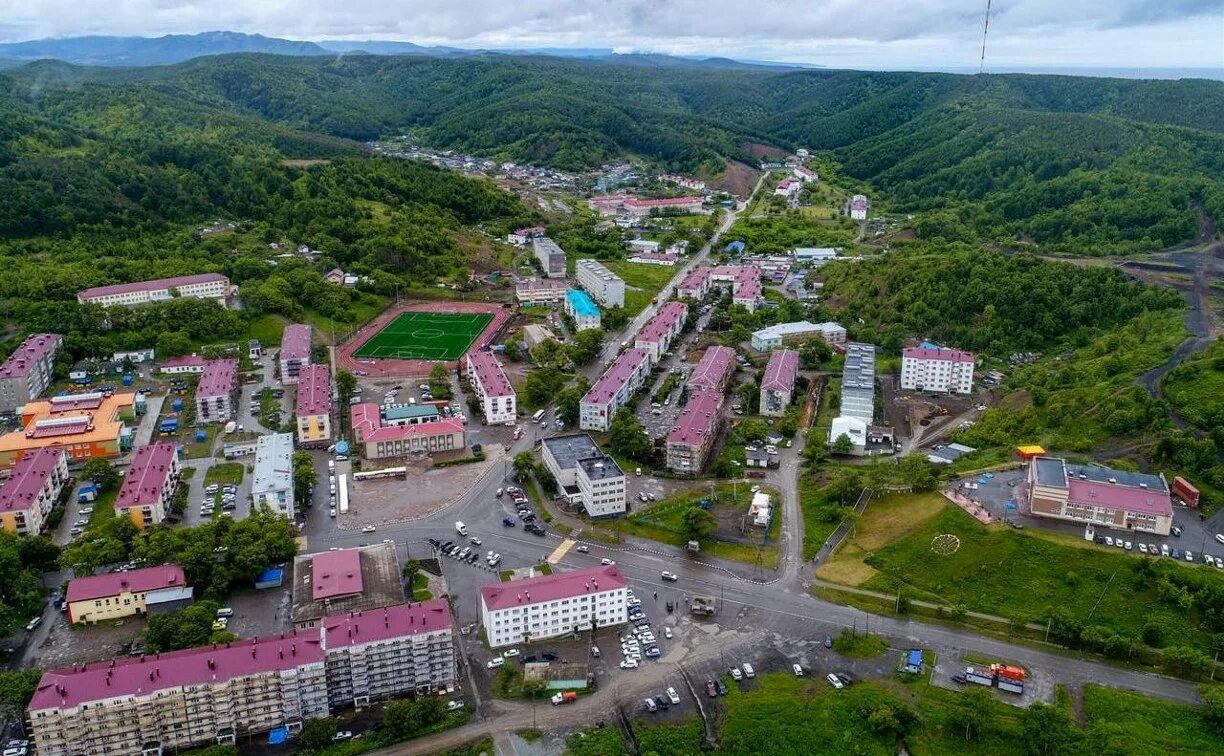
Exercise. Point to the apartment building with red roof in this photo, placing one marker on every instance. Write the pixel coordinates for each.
(692, 437)
(657, 336)
(552, 605)
(295, 351)
(613, 390)
(778, 383)
(149, 484)
(28, 371)
(214, 286)
(491, 386)
(313, 410)
(217, 391)
(31, 490)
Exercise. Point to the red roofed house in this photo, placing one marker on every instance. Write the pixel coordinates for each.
(492, 387)
(691, 439)
(342, 581)
(1099, 496)
(190, 363)
(696, 284)
(714, 370)
(778, 384)
(613, 389)
(149, 484)
(294, 351)
(657, 335)
(314, 405)
(521, 236)
(28, 370)
(123, 594)
(937, 369)
(32, 489)
(396, 440)
(203, 286)
(553, 605)
(217, 391)
(745, 283)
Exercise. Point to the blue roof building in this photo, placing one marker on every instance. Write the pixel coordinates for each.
(580, 307)
(734, 248)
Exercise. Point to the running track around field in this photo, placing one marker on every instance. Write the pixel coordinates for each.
(385, 368)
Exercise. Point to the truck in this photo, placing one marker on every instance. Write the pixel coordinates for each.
(231, 426)
(460, 528)
(1183, 490)
(1011, 686)
(703, 606)
(978, 677)
(568, 696)
(1010, 673)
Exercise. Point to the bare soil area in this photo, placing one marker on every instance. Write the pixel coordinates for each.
(425, 490)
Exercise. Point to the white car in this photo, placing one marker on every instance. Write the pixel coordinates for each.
(605, 561)
(798, 670)
(667, 633)
(629, 664)
(836, 683)
(736, 674)
(670, 576)
(510, 652)
(1143, 548)
(582, 549)
(1218, 536)
(495, 663)
(368, 529)
(454, 705)
(673, 696)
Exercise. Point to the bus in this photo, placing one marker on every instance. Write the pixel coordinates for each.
(538, 416)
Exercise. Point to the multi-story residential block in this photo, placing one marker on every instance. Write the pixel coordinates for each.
(314, 405)
(114, 595)
(713, 371)
(580, 307)
(31, 490)
(657, 336)
(553, 605)
(613, 389)
(540, 290)
(586, 475)
(149, 484)
(383, 440)
(603, 285)
(696, 285)
(212, 286)
(217, 391)
(633, 207)
(857, 398)
(343, 581)
(1099, 496)
(492, 387)
(692, 437)
(778, 383)
(781, 334)
(294, 351)
(745, 282)
(273, 482)
(82, 425)
(551, 256)
(857, 207)
(520, 236)
(937, 369)
(28, 371)
(688, 183)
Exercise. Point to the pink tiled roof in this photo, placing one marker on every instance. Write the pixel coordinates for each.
(68, 426)
(27, 479)
(667, 256)
(218, 379)
(925, 353)
(552, 587)
(368, 428)
(713, 368)
(24, 357)
(664, 321)
(63, 688)
(1095, 494)
(364, 419)
(314, 391)
(398, 621)
(137, 581)
(781, 371)
(750, 289)
(193, 360)
(493, 380)
(145, 477)
(532, 231)
(695, 279)
(697, 419)
(335, 573)
(295, 342)
(616, 376)
(160, 283)
(668, 202)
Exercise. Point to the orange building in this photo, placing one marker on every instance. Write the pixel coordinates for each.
(82, 425)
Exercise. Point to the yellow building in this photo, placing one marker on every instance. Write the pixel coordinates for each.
(314, 405)
(122, 594)
(31, 491)
(149, 485)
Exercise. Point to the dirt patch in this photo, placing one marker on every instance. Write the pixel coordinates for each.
(757, 149)
(66, 646)
(303, 163)
(738, 179)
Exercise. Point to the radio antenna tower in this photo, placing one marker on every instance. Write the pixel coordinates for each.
(985, 30)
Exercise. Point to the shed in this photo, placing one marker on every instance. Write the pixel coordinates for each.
(86, 493)
(913, 661)
(734, 248)
(272, 577)
(1030, 452)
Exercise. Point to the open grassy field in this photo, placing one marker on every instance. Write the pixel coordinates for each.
(361, 310)
(817, 508)
(1196, 387)
(425, 336)
(642, 282)
(1123, 722)
(887, 519)
(268, 329)
(223, 473)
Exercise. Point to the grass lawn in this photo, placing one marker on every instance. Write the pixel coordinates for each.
(104, 507)
(188, 473)
(817, 510)
(886, 519)
(642, 282)
(362, 309)
(425, 335)
(1125, 722)
(420, 591)
(268, 329)
(859, 646)
(194, 450)
(223, 473)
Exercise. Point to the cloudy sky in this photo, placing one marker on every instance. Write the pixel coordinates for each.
(841, 33)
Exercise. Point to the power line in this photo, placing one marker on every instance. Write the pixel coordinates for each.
(985, 31)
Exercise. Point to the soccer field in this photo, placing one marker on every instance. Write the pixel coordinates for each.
(425, 336)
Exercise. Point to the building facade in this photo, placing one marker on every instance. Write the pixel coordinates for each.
(313, 410)
(778, 383)
(553, 605)
(713, 371)
(692, 437)
(294, 351)
(149, 485)
(937, 369)
(586, 475)
(1099, 496)
(84, 426)
(603, 285)
(532, 291)
(857, 398)
(550, 256)
(28, 371)
(580, 307)
(273, 482)
(217, 391)
(492, 387)
(661, 331)
(31, 490)
(613, 390)
(115, 595)
(186, 365)
(383, 441)
(696, 285)
(784, 334)
(212, 286)
(857, 207)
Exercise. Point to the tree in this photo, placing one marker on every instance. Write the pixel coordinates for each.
(1047, 731)
(550, 353)
(317, 734)
(411, 568)
(586, 346)
(346, 384)
(843, 445)
(569, 401)
(614, 319)
(101, 472)
(17, 687)
(628, 438)
(304, 476)
(1184, 660)
(439, 381)
(698, 523)
(406, 719)
(524, 463)
(188, 627)
(39, 552)
(543, 385)
(916, 471)
(1213, 706)
(971, 712)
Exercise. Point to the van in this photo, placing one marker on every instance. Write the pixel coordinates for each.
(749, 672)
(537, 416)
(34, 623)
(461, 528)
(495, 662)
(225, 611)
(331, 464)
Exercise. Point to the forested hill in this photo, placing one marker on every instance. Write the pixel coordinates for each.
(1070, 163)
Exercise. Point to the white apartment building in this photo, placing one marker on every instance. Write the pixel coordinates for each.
(551, 256)
(553, 605)
(29, 494)
(531, 291)
(657, 336)
(613, 389)
(294, 351)
(937, 369)
(586, 475)
(273, 483)
(28, 371)
(492, 387)
(212, 286)
(603, 285)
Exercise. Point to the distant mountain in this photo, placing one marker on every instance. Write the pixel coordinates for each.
(152, 51)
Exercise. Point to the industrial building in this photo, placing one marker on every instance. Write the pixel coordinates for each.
(552, 605)
(385, 439)
(585, 474)
(347, 580)
(295, 351)
(778, 383)
(149, 485)
(535, 334)
(492, 387)
(1099, 496)
(613, 390)
(212, 286)
(580, 307)
(217, 391)
(815, 256)
(314, 405)
(657, 336)
(786, 334)
(31, 490)
(633, 207)
(114, 595)
(28, 371)
(82, 425)
(603, 285)
(273, 482)
(550, 256)
(933, 368)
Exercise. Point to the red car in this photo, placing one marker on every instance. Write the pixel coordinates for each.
(711, 689)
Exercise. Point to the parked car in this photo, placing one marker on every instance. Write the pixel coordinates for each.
(736, 674)
(670, 576)
(629, 664)
(711, 689)
(798, 670)
(673, 696)
(834, 681)
(651, 705)
(454, 705)
(343, 735)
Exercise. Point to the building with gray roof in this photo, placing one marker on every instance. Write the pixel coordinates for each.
(586, 474)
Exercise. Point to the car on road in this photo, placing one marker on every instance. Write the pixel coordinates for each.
(834, 681)
(605, 561)
(331, 512)
(510, 652)
(368, 529)
(1218, 536)
(582, 549)
(711, 689)
(507, 522)
(667, 633)
(798, 670)
(846, 678)
(673, 696)
(669, 576)
(1176, 530)
(495, 662)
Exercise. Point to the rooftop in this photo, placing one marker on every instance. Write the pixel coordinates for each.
(23, 359)
(1098, 494)
(493, 380)
(27, 479)
(186, 360)
(100, 425)
(697, 420)
(666, 202)
(537, 284)
(398, 621)
(146, 476)
(579, 449)
(927, 353)
(559, 585)
(218, 379)
(375, 573)
(136, 581)
(601, 467)
(616, 376)
(273, 465)
(335, 573)
(713, 368)
(695, 278)
(664, 256)
(858, 373)
(781, 371)
(797, 328)
(314, 391)
(154, 285)
(295, 342)
(664, 321)
(582, 303)
(1117, 477)
(409, 411)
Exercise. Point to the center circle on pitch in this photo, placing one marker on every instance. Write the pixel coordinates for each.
(428, 333)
